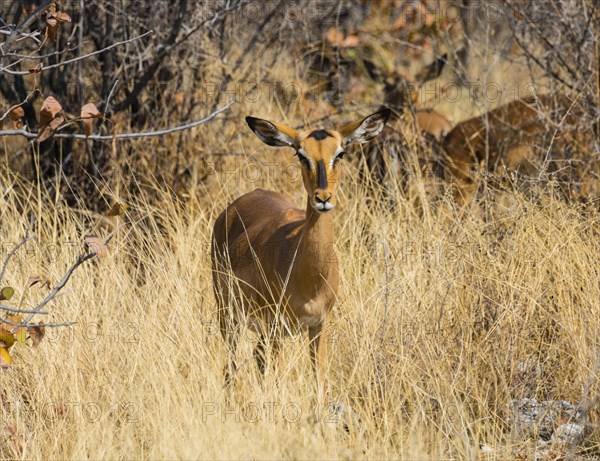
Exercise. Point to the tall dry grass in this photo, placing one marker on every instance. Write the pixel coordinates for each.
(444, 317)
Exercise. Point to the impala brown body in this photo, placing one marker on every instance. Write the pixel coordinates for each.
(544, 136)
(391, 158)
(273, 263)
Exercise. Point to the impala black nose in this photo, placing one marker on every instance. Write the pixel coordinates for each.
(322, 200)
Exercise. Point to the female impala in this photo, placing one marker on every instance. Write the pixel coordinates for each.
(273, 263)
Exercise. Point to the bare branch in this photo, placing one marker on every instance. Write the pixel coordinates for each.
(12, 253)
(21, 311)
(50, 296)
(78, 58)
(11, 108)
(28, 325)
(173, 44)
(4, 47)
(34, 57)
(143, 134)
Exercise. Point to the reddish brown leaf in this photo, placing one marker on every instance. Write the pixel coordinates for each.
(50, 119)
(36, 333)
(97, 245)
(334, 35)
(351, 41)
(61, 16)
(16, 116)
(50, 109)
(53, 20)
(49, 129)
(51, 30)
(88, 113)
(15, 319)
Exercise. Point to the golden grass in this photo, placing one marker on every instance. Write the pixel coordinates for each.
(443, 318)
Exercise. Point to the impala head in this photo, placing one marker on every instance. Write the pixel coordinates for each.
(320, 151)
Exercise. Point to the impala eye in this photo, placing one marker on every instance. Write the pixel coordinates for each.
(338, 157)
(303, 159)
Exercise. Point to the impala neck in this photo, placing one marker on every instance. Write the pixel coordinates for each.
(316, 245)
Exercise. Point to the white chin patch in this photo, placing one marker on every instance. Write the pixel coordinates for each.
(323, 206)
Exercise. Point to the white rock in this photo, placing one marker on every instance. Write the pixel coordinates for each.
(569, 433)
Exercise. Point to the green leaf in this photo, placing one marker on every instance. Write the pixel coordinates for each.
(6, 293)
(7, 339)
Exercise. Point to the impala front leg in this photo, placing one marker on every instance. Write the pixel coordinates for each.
(319, 337)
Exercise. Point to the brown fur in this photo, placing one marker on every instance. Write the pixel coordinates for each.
(531, 136)
(274, 263)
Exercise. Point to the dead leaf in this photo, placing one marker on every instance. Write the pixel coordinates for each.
(97, 245)
(16, 116)
(49, 129)
(34, 279)
(15, 318)
(88, 113)
(36, 333)
(20, 333)
(6, 293)
(118, 209)
(351, 41)
(53, 20)
(49, 110)
(50, 119)
(61, 16)
(334, 35)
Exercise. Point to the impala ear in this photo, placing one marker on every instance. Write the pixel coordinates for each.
(367, 128)
(273, 134)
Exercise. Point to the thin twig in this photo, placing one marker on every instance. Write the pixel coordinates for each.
(78, 58)
(28, 325)
(12, 253)
(21, 311)
(50, 296)
(166, 50)
(34, 57)
(83, 258)
(110, 95)
(143, 134)
(10, 109)
(4, 47)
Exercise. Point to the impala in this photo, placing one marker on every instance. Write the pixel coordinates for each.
(389, 159)
(547, 134)
(273, 264)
